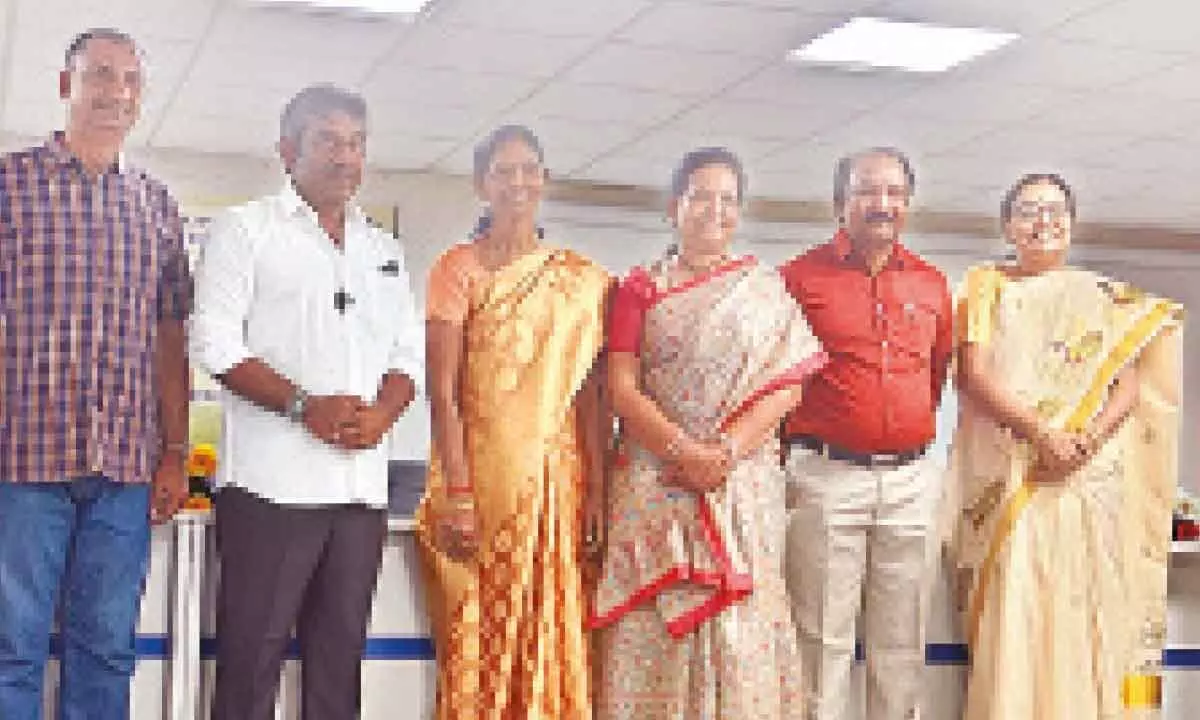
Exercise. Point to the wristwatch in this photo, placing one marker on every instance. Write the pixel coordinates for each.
(295, 408)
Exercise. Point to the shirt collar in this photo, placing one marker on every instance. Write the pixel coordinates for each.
(294, 205)
(843, 248)
(57, 147)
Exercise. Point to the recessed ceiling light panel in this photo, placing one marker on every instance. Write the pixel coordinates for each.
(375, 7)
(914, 47)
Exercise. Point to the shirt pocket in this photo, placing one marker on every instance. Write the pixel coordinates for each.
(916, 330)
(384, 296)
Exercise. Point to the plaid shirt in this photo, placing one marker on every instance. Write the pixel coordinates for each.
(87, 267)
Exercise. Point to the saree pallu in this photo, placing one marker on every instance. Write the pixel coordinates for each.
(692, 605)
(1063, 586)
(509, 624)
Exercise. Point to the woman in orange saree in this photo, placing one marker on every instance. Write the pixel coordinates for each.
(707, 354)
(1065, 461)
(514, 329)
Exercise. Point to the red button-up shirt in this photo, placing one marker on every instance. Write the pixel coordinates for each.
(889, 338)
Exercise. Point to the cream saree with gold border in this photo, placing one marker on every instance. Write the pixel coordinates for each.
(1063, 587)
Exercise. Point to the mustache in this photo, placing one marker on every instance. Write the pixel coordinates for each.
(111, 105)
(878, 216)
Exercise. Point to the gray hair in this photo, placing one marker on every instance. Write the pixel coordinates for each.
(318, 101)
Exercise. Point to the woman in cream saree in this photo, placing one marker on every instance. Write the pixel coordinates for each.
(707, 353)
(1065, 458)
(513, 340)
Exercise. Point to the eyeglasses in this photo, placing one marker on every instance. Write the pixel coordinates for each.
(508, 172)
(1035, 211)
(704, 201)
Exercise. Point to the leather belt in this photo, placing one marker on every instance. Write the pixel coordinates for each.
(868, 460)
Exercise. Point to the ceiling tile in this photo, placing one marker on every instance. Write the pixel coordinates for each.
(601, 104)
(1090, 181)
(671, 142)
(248, 103)
(729, 28)
(406, 151)
(1153, 155)
(550, 17)
(1177, 82)
(1066, 64)
(33, 114)
(449, 122)
(832, 7)
(410, 89)
(967, 99)
(275, 45)
(290, 31)
(567, 143)
(670, 71)
(217, 134)
(1022, 16)
(789, 84)
(915, 135)
(1127, 111)
(63, 19)
(441, 45)
(1161, 25)
(756, 119)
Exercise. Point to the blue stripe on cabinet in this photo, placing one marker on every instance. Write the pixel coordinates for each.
(380, 647)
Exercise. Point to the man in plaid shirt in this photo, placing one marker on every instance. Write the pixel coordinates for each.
(94, 290)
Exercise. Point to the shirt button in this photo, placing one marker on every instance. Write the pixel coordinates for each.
(884, 344)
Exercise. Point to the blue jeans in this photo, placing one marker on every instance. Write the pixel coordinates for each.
(85, 544)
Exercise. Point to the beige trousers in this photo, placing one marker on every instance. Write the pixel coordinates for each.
(860, 538)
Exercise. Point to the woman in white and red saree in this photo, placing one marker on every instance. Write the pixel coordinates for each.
(707, 353)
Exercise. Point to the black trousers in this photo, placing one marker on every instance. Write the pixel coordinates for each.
(314, 568)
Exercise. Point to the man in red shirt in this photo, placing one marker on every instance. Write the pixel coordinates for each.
(861, 494)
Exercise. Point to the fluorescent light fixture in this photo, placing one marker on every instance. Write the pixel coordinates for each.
(382, 7)
(916, 47)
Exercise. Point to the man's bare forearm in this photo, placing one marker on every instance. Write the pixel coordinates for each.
(396, 393)
(174, 391)
(257, 382)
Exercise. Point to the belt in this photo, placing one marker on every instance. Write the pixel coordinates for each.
(870, 460)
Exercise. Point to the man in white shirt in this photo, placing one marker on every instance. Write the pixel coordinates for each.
(304, 313)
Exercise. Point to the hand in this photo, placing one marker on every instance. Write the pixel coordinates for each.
(328, 417)
(168, 488)
(595, 525)
(702, 467)
(1060, 454)
(457, 527)
(1056, 448)
(367, 430)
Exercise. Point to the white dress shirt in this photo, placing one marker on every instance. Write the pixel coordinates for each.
(265, 288)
